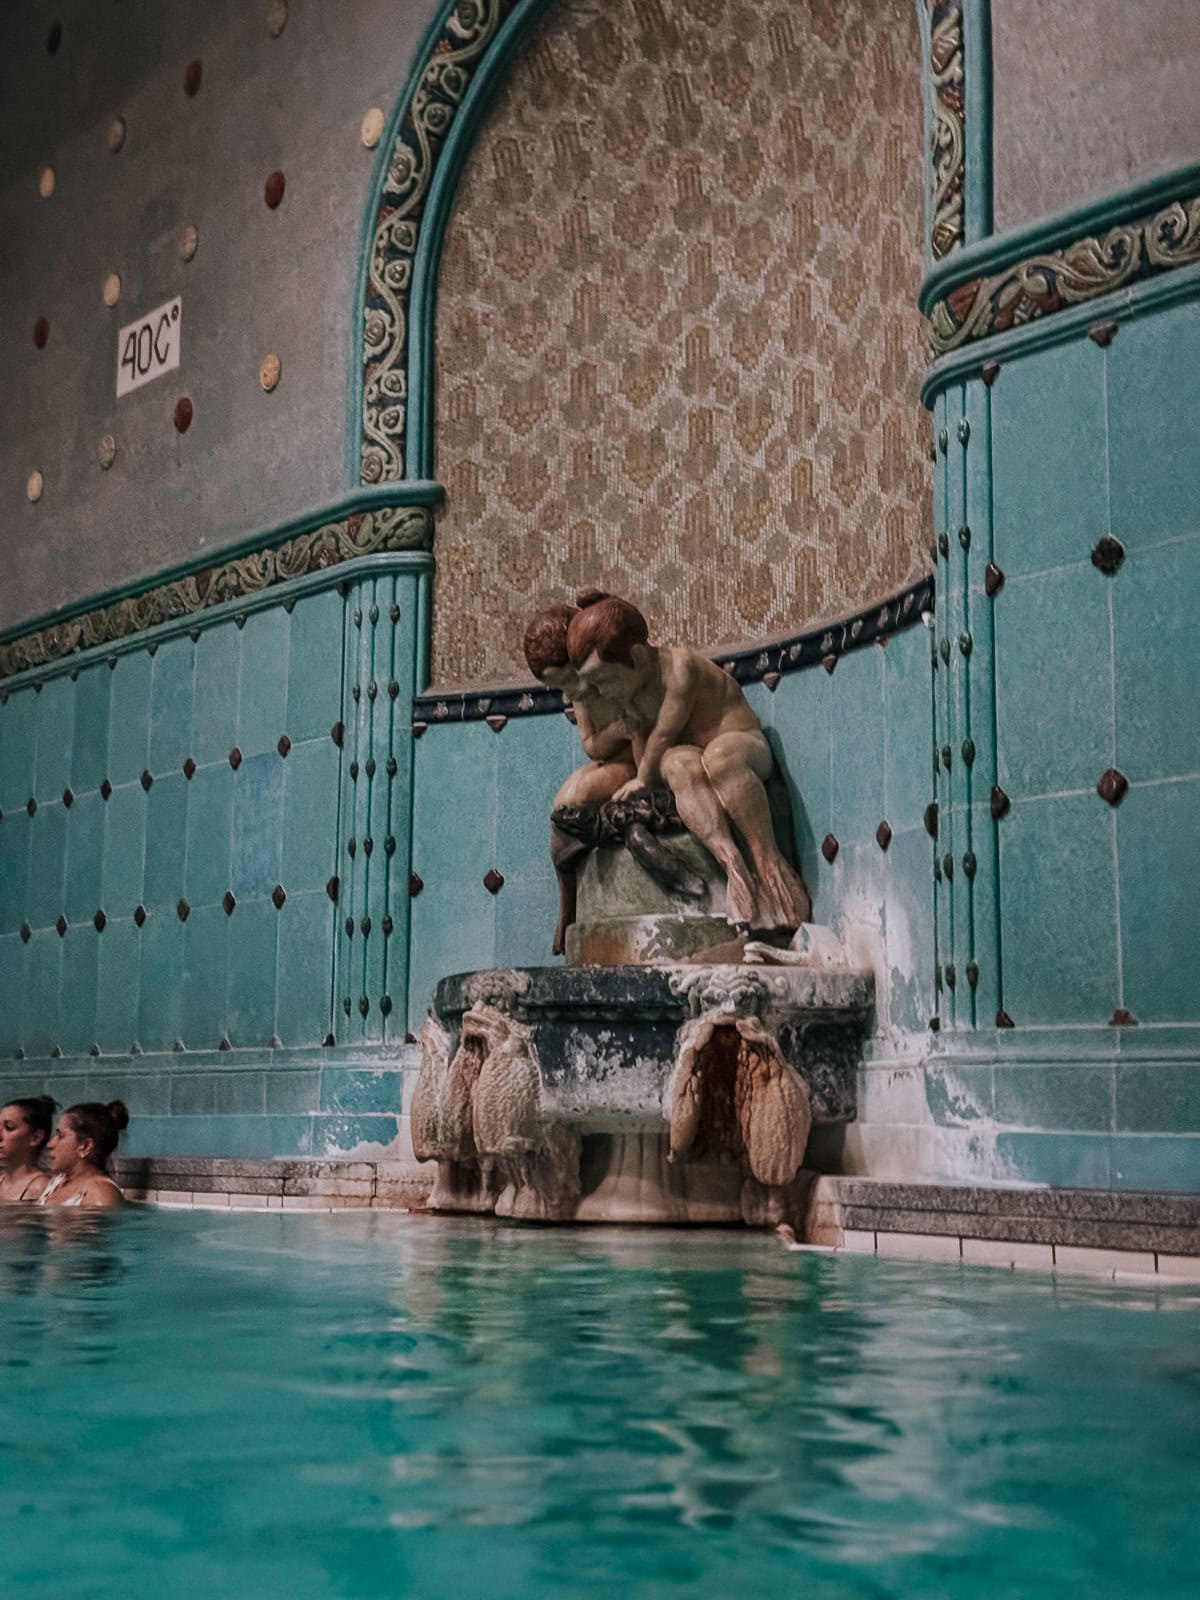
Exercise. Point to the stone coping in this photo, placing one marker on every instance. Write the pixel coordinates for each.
(946, 1215)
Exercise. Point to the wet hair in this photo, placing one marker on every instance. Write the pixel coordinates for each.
(607, 625)
(38, 1112)
(101, 1124)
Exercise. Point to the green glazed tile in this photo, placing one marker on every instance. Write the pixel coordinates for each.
(857, 718)
(209, 834)
(453, 930)
(1162, 1161)
(193, 1094)
(908, 778)
(345, 1089)
(1053, 682)
(335, 1135)
(129, 717)
(12, 983)
(124, 849)
(40, 1000)
(263, 681)
(253, 937)
(305, 969)
(1059, 911)
(958, 1096)
(171, 705)
(525, 792)
(1158, 1097)
(78, 990)
(14, 870)
(314, 666)
(205, 978)
(160, 1003)
(47, 866)
(1049, 462)
(1154, 426)
(89, 752)
(119, 957)
(215, 694)
(1158, 841)
(289, 1090)
(801, 741)
(1154, 597)
(526, 914)
(18, 749)
(55, 735)
(166, 840)
(1078, 1098)
(85, 826)
(257, 818)
(908, 933)
(310, 799)
(1062, 1160)
(239, 1094)
(456, 774)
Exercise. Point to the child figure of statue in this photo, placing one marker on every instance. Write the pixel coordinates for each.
(691, 728)
(611, 761)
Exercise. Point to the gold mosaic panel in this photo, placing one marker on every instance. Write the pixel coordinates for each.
(679, 350)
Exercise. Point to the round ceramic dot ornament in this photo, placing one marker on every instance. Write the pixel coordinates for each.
(187, 241)
(112, 289)
(116, 134)
(277, 15)
(372, 127)
(46, 181)
(106, 450)
(34, 485)
(269, 371)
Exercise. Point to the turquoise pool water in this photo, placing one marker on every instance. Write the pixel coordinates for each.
(199, 1407)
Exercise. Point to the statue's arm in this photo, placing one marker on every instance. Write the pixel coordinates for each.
(673, 717)
(601, 741)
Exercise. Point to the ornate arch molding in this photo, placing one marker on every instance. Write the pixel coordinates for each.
(462, 61)
(947, 126)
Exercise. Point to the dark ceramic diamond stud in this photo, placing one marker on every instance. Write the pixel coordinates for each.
(189, 769)
(493, 881)
(278, 896)
(26, 933)
(147, 781)
(369, 769)
(993, 580)
(99, 921)
(184, 412)
(970, 864)
(829, 847)
(973, 973)
(192, 77)
(364, 1005)
(1122, 1019)
(105, 789)
(385, 1005)
(1112, 786)
(349, 927)
(883, 834)
(1003, 1020)
(229, 901)
(139, 915)
(390, 768)
(1000, 803)
(931, 819)
(354, 772)
(337, 733)
(31, 806)
(331, 889)
(829, 663)
(415, 884)
(235, 758)
(273, 189)
(968, 752)
(61, 926)
(284, 745)
(387, 925)
(1108, 555)
(183, 910)
(365, 926)
(1102, 333)
(68, 799)
(951, 975)
(991, 371)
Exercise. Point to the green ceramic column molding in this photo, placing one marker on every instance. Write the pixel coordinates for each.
(977, 74)
(383, 656)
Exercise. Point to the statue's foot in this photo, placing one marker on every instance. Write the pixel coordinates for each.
(783, 900)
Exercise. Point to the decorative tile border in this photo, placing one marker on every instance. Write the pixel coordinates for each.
(947, 133)
(454, 59)
(359, 534)
(1085, 269)
(755, 664)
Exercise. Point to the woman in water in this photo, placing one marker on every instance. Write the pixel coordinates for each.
(24, 1129)
(78, 1155)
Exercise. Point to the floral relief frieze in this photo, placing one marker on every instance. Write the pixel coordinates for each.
(363, 534)
(1083, 270)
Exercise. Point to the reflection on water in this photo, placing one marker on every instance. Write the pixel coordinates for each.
(311, 1406)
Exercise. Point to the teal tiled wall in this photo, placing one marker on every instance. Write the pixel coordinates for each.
(854, 746)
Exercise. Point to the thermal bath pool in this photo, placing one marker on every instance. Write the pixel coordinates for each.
(200, 1407)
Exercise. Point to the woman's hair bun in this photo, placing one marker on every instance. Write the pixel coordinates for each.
(590, 597)
(118, 1112)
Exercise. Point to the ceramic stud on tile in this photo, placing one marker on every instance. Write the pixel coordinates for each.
(46, 182)
(116, 134)
(112, 289)
(34, 485)
(371, 130)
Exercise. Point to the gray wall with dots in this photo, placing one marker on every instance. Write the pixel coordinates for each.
(282, 88)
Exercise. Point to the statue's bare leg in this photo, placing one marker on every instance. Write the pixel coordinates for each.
(701, 813)
(737, 765)
(592, 784)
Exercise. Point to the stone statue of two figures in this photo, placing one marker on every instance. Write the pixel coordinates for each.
(672, 745)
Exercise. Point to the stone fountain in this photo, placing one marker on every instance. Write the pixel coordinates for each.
(672, 1069)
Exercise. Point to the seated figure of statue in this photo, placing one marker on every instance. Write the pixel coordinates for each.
(605, 737)
(693, 730)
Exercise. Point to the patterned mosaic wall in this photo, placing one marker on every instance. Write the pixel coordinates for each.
(678, 345)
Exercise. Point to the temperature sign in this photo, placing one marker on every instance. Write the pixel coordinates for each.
(148, 347)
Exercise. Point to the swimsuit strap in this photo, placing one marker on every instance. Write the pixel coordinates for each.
(56, 1182)
(25, 1190)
